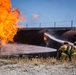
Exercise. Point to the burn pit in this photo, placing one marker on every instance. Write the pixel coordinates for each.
(9, 32)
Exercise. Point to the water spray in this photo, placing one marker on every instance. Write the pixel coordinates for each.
(55, 39)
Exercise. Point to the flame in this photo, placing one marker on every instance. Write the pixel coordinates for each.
(8, 21)
(45, 38)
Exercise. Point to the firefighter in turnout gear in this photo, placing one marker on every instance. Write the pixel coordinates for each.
(65, 48)
(73, 50)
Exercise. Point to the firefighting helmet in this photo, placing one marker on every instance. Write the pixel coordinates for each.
(75, 43)
(65, 42)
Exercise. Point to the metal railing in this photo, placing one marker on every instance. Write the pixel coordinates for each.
(71, 23)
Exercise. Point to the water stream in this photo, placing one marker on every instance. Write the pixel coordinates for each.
(55, 39)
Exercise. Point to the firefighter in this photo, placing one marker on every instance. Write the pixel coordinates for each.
(65, 48)
(73, 51)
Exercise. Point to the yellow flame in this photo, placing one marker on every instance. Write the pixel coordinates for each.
(8, 21)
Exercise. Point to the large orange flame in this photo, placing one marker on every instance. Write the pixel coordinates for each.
(8, 21)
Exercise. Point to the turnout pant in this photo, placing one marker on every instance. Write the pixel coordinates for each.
(60, 53)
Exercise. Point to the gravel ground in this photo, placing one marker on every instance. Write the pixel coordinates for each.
(22, 68)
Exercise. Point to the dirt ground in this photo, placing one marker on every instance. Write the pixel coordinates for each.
(37, 66)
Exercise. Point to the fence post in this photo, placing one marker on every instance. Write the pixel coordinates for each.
(26, 25)
(39, 24)
(71, 23)
(54, 24)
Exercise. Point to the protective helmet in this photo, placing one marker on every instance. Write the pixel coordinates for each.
(65, 42)
(75, 43)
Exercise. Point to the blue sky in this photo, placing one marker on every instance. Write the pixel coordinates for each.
(48, 11)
